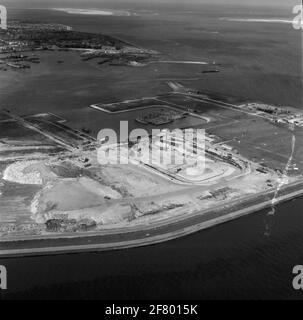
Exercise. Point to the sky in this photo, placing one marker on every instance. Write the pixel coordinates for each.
(87, 3)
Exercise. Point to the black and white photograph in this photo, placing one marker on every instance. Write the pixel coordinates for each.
(151, 153)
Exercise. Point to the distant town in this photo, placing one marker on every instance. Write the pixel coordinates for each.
(22, 40)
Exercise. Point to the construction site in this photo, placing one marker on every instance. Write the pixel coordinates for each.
(184, 157)
(54, 180)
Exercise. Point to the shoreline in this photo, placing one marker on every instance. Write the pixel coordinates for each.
(137, 238)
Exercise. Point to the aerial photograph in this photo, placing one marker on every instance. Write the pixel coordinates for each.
(151, 150)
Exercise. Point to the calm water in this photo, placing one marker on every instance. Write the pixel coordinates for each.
(252, 257)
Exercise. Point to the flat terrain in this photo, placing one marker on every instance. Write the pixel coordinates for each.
(52, 184)
(118, 197)
(132, 238)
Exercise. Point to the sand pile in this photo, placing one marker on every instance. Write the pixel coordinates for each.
(79, 199)
(17, 173)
